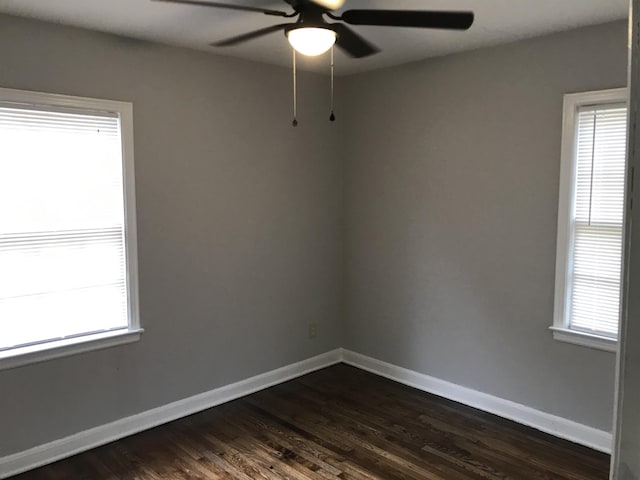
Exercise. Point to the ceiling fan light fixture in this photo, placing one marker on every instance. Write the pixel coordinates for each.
(330, 4)
(311, 41)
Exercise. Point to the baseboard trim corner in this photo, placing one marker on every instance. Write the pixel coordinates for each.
(86, 440)
(545, 422)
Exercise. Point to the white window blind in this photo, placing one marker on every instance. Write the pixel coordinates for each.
(597, 224)
(62, 225)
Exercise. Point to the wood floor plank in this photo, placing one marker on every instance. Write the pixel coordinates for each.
(492, 435)
(455, 449)
(283, 460)
(280, 432)
(371, 437)
(339, 423)
(401, 440)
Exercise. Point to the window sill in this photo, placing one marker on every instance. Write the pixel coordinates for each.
(62, 348)
(585, 339)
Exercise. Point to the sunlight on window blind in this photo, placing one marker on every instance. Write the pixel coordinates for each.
(62, 254)
(598, 219)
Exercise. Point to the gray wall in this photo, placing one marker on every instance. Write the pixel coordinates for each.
(452, 197)
(239, 226)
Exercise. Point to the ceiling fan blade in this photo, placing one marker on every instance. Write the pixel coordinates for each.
(352, 43)
(410, 18)
(228, 6)
(251, 35)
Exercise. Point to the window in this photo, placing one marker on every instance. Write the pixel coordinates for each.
(68, 278)
(591, 219)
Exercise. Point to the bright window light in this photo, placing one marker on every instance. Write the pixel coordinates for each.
(591, 218)
(63, 235)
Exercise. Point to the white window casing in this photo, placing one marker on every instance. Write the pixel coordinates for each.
(591, 219)
(68, 246)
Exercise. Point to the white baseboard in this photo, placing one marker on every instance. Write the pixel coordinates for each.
(552, 424)
(101, 435)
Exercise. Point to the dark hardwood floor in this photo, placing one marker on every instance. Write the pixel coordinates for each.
(338, 423)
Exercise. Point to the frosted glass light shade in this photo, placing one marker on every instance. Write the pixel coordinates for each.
(312, 41)
(330, 4)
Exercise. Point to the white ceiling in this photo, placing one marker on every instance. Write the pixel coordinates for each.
(497, 21)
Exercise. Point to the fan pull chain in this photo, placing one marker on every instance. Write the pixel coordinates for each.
(295, 92)
(332, 117)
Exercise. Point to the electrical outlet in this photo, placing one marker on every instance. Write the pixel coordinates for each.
(313, 330)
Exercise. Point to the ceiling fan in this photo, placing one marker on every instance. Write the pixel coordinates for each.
(311, 34)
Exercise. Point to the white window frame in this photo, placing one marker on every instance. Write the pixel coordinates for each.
(564, 253)
(59, 348)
